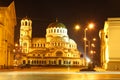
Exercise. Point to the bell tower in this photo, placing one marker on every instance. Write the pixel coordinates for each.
(25, 34)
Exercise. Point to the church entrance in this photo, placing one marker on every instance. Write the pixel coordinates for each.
(59, 62)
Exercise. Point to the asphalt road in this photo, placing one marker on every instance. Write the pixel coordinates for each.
(36, 75)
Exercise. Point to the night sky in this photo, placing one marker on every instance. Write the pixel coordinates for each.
(68, 12)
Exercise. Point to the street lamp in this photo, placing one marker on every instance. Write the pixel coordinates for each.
(90, 26)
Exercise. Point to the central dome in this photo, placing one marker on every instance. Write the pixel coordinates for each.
(56, 25)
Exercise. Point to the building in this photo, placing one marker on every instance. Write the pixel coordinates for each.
(110, 44)
(56, 49)
(7, 24)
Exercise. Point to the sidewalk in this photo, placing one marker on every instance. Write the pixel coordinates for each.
(45, 69)
(99, 69)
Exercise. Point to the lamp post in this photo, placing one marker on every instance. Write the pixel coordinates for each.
(90, 26)
(85, 39)
(90, 47)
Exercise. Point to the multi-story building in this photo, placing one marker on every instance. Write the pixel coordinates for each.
(110, 44)
(56, 49)
(7, 24)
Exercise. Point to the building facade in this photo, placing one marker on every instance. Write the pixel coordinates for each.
(110, 44)
(7, 24)
(55, 49)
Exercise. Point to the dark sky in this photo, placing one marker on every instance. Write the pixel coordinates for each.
(69, 12)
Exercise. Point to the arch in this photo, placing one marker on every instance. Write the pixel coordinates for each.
(24, 62)
(59, 62)
(59, 53)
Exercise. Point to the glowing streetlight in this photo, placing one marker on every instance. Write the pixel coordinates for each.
(89, 26)
(94, 39)
(77, 27)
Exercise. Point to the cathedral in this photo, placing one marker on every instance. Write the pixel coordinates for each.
(55, 49)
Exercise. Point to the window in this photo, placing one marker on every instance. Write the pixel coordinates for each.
(54, 62)
(25, 44)
(24, 62)
(38, 54)
(28, 61)
(25, 23)
(22, 23)
(34, 61)
(64, 62)
(28, 23)
(106, 36)
(21, 34)
(60, 31)
(57, 30)
(33, 54)
(54, 30)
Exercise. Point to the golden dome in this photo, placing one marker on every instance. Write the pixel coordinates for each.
(56, 25)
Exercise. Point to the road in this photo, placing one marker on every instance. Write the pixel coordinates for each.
(36, 75)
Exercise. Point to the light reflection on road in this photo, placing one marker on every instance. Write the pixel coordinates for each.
(59, 76)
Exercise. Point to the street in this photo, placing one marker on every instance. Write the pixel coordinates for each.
(36, 75)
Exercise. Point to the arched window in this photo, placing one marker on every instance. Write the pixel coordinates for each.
(63, 31)
(60, 31)
(22, 24)
(70, 46)
(54, 62)
(25, 23)
(25, 44)
(33, 54)
(34, 61)
(49, 31)
(41, 45)
(28, 61)
(54, 30)
(57, 30)
(24, 62)
(28, 23)
(38, 55)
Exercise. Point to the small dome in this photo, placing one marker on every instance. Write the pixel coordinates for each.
(26, 18)
(56, 24)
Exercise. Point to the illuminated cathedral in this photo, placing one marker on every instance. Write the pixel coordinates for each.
(55, 49)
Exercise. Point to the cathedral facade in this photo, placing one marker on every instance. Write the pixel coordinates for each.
(55, 49)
